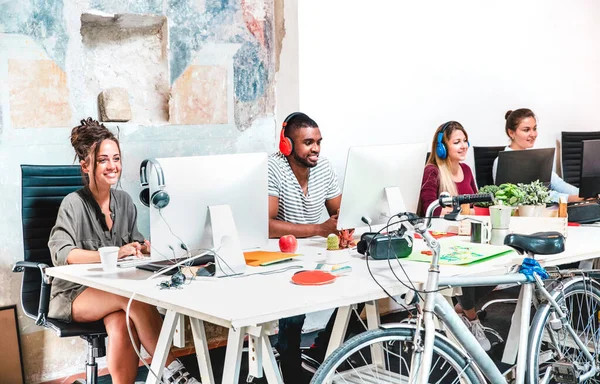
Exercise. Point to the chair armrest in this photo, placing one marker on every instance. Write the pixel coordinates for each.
(45, 287)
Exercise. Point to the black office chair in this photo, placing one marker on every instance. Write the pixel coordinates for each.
(43, 189)
(570, 153)
(484, 162)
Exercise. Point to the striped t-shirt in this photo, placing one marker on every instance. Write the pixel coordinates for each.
(294, 206)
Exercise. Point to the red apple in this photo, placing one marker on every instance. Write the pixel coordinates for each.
(288, 244)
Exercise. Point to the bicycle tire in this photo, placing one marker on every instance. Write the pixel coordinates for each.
(580, 298)
(452, 357)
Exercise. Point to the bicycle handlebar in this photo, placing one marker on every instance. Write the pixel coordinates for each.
(453, 201)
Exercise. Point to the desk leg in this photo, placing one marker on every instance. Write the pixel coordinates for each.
(339, 329)
(163, 346)
(255, 355)
(511, 346)
(373, 321)
(233, 355)
(179, 336)
(269, 363)
(201, 344)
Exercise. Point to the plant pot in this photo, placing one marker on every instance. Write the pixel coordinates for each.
(500, 216)
(338, 256)
(480, 211)
(531, 210)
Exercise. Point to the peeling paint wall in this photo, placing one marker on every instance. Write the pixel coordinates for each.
(53, 64)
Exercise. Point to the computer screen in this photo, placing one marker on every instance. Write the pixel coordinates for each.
(212, 198)
(589, 181)
(525, 166)
(381, 180)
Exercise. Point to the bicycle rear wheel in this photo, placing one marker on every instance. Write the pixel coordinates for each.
(384, 356)
(554, 356)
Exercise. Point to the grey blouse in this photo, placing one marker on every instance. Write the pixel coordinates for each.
(81, 224)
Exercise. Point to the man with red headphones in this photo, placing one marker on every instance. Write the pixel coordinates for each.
(301, 186)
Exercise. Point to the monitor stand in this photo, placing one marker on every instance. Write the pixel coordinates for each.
(395, 203)
(226, 243)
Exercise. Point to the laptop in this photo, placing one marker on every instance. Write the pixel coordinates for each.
(155, 266)
(525, 166)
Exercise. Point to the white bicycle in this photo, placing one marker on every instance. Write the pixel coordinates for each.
(560, 347)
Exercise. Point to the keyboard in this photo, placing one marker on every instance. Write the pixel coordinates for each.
(133, 261)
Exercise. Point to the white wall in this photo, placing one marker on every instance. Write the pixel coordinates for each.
(389, 71)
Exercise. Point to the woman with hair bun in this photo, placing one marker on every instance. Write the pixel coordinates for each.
(95, 216)
(521, 129)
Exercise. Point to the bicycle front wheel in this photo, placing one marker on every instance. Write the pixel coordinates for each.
(554, 355)
(384, 356)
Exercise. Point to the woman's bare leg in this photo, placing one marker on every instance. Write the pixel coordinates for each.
(121, 357)
(144, 317)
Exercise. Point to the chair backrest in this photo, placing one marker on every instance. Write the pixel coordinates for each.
(570, 153)
(484, 162)
(43, 188)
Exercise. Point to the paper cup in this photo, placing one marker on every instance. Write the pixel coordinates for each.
(108, 258)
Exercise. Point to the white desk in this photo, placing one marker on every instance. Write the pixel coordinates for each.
(249, 305)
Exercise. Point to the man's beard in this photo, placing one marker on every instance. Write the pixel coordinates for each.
(303, 161)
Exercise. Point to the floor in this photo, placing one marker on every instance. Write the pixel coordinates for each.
(498, 317)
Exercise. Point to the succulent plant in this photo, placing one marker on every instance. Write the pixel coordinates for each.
(487, 189)
(333, 242)
(534, 193)
(509, 194)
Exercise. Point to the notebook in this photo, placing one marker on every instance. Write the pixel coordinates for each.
(264, 258)
(457, 252)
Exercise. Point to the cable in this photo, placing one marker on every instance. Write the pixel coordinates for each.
(159, 273)
(412, 286)
(271, 272)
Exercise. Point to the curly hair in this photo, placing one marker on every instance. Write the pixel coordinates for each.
(86, 140)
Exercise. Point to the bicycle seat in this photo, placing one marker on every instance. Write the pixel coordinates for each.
(540, 243)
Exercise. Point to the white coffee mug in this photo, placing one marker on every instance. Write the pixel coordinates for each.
(480, 233)
(108, 258)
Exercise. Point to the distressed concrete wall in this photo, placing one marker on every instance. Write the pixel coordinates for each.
(52, 67)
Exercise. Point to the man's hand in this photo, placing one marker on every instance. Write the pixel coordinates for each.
(330, 226)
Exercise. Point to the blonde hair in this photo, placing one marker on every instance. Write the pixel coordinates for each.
(446, 182)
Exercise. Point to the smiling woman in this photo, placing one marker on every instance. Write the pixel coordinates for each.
(100, 216)
(445, 170)
(522, 130)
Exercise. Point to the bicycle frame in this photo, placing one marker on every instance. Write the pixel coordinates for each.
(436, 304)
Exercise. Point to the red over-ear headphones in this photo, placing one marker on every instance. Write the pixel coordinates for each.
(286, 145)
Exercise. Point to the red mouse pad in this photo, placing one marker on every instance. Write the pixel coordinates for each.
(313, 278)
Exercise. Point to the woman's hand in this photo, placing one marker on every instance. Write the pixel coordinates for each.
(145, 247)
(575, 199)
(445, 211)
(131, 249)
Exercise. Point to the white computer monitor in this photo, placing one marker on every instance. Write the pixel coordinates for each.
(381, 180)
(216, 202)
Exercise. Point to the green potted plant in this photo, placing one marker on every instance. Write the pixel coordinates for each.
(508, 198)
(509, 194)
(483, 209)
(535, 197)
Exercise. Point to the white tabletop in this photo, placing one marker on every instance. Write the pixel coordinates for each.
(252, 300)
